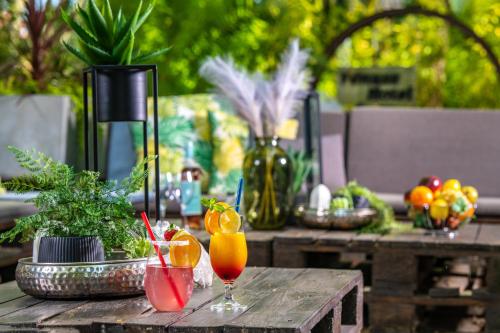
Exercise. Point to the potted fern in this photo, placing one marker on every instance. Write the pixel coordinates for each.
(108, 38)
(80, 218)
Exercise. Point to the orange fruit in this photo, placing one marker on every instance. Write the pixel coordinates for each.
(212, 219)
(229, 222)
(452, 184)
(185, 255)
(421, 196)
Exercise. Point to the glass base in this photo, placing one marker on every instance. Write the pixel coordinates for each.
(228, 305)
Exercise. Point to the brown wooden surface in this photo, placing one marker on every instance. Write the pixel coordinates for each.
(281, 300)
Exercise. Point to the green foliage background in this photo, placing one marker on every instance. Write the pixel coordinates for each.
(452, 71)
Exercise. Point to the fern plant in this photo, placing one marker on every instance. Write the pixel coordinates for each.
(108, 38)
(75, 204)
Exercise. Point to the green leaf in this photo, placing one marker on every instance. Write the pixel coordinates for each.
(108, 15)
(95, 57)
(143, 17)
(209, 203)
(118, 24)
(130, 23)
(83, 34)
(126, 57)
(151, 55)
(98, 22)
(122, 46)
(85, 18)
(77, 53)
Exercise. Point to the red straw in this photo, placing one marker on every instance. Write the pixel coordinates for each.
(162, 261)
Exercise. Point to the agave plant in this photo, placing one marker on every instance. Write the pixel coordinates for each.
(106, 38)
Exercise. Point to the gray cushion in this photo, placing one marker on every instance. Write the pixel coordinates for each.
(44, 123)
(390, 149)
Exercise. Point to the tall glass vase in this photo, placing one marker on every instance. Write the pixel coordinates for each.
(267, 171)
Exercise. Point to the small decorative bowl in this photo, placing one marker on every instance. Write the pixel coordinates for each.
(343, 219)
(111, 278)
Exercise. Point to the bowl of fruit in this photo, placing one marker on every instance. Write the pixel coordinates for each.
(441, 206)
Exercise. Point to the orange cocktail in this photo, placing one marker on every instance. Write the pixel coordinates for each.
(228, 249)
(228, 255)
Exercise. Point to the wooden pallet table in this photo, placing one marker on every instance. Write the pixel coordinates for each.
(396, 261)
(279, 300)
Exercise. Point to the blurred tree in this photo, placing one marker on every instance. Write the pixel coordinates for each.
(34, 58)
(451, 70)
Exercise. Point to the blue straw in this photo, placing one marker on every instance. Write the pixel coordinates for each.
(238, 195)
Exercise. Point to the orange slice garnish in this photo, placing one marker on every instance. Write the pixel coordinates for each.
(185, 255)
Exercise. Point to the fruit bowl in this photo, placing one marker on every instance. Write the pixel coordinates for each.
(439, 206)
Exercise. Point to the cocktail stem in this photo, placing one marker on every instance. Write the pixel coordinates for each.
(228, 296)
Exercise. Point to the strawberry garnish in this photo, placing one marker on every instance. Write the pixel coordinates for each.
(170, 232)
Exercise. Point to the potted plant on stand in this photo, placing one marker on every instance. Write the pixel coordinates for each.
(266, 106)
(108, 38)
(80, 218)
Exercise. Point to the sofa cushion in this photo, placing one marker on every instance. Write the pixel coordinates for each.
(390, 149)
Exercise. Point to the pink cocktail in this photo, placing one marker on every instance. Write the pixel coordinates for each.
(160, 282)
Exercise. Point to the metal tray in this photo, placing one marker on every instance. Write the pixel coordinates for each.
(112, 278)
(343, 219)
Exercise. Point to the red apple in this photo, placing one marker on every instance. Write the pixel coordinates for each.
(432, 182)
(407, 197)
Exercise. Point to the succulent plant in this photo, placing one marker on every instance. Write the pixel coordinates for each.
(106, 38)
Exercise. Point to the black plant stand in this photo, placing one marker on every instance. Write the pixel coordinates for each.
(312, 136)
(96, 70)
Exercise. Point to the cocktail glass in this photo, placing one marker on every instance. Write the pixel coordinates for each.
(169, 287)
(228, 256)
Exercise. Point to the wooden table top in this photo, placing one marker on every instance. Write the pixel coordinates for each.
(288, 300)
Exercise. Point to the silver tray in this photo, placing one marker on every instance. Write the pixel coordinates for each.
(113, 278)
(344, 219)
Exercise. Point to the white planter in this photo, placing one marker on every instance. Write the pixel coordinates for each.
(42, 122)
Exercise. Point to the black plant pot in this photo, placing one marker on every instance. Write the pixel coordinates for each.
(70, 249)
(121, 94)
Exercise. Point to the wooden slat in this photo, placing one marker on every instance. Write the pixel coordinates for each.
(33, 315)
(335, 238)
(18, 303)
(310, 296)
(106, 311)
(204, 320)
(490, 236)
(9, 291)
(287, 246)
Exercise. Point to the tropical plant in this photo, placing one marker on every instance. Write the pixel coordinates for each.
(75, 204)
(106, 38)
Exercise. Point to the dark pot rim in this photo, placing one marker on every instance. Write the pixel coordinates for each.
(116, 68)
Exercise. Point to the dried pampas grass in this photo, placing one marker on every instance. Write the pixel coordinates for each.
(265, 105)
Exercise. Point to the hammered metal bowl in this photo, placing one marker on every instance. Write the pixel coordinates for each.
(343, 219)
(113, 278)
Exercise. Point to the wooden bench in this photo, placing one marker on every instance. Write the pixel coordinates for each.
(279, 300)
